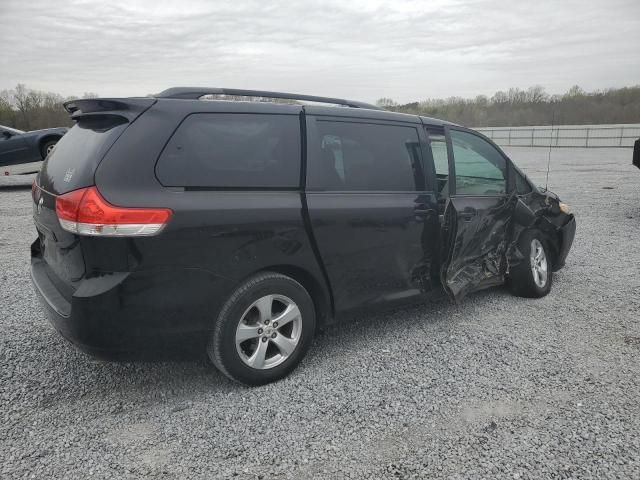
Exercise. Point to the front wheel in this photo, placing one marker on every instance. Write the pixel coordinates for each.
(264, 330)
(532, 278)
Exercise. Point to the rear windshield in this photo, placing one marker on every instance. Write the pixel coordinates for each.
(73, 162)
(233, 150)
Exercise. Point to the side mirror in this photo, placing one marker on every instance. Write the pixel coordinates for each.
(636, 153)
(6, 134)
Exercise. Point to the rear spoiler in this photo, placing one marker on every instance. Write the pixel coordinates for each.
(126, 108)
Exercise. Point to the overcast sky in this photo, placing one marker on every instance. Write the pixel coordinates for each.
(406, 50)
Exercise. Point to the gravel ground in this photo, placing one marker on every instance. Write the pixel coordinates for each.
(497, 387)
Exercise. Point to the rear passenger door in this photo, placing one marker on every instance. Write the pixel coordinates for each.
(477, 214)
(373, 215)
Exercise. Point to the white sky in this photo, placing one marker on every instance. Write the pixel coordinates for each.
(364, 50)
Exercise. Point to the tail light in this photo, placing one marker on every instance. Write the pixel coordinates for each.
(86, 212)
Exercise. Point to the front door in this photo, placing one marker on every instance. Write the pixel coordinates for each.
(373, 217)
(477, 213)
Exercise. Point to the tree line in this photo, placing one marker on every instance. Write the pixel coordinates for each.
(533, 106)
(28, 109)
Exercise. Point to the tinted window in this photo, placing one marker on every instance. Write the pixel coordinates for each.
(365, 156)
(73, 162)
(233, 150)
(480, 168)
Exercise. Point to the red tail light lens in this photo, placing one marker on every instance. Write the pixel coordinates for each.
(86, 212)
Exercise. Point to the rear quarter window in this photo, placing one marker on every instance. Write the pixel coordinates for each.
(233, 150)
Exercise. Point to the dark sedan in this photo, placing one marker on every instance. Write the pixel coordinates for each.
(23, 152)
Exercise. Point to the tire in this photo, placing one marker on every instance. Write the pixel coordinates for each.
(524, 279)
(47, 146)
(269, 352)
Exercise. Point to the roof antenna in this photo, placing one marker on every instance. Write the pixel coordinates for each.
(553, 118)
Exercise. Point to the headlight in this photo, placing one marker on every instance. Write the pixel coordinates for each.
(564, 208)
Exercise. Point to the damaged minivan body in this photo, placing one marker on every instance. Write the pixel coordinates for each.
(240, 227)
(469, 268)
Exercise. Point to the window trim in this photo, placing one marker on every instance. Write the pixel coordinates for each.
(515, 172)
(313, 138)
(429, 154)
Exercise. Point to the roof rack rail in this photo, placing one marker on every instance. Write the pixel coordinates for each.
(194, 93)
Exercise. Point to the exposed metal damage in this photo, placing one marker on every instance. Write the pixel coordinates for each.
(478, 260)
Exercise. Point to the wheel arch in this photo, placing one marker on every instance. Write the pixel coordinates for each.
(553, 237)
(45, 138)
(319, 294)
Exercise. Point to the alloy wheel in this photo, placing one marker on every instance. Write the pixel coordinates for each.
(268, 332)
(539, 266)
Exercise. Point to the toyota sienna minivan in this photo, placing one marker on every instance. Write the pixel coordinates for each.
(240, 227)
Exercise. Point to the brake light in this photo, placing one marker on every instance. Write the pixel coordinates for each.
(86, 212)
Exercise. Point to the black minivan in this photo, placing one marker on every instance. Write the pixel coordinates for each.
(242, 226)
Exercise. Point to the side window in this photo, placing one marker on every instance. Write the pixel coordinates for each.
(365, 156)
(233, 150)
(438, 144)
(480, 168)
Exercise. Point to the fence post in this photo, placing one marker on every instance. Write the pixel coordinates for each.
(621, 135)
(509, 137)
(557, 136)
(586, 143)
(533, 130)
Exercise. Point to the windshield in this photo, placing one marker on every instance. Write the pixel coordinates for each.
(15, 131)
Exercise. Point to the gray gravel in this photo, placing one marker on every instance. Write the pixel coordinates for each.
(497, 387)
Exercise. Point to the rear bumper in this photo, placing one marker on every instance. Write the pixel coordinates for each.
(567, 234)
(125, 315)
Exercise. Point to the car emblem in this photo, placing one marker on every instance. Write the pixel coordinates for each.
(69, 173)
(39, 207)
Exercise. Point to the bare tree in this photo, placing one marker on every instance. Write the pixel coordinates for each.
(534, 106)
(386, 102)
(26, 109)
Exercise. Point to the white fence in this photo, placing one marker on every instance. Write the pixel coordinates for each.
(564, 135)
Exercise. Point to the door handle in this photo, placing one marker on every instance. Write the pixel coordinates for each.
(424, 211)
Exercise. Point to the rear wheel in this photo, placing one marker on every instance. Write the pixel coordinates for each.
(47, 147)
(533, 277)
(264, 330)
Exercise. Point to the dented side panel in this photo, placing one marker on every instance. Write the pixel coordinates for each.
(544, 214)
(477, 233)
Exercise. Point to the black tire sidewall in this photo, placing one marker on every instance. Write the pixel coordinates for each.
(222, 347)
(45, 145)
(522, 279)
